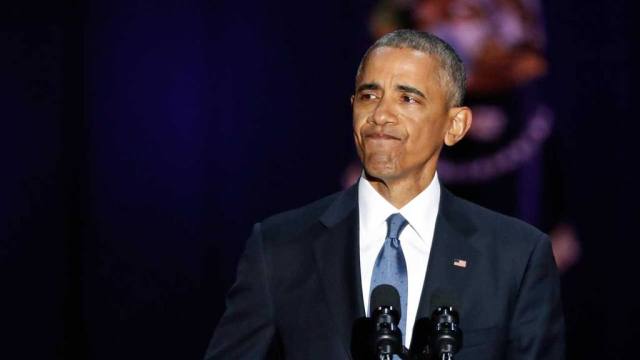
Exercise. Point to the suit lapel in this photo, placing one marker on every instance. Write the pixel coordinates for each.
(337, 257)
(445, 282)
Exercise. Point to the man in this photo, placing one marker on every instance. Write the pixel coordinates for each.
(304, 281)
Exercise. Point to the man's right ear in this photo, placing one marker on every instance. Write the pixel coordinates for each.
(352, 97)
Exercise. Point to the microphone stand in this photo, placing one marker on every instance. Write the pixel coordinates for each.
(404, 355)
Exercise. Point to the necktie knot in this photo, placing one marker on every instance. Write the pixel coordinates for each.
(395, 225)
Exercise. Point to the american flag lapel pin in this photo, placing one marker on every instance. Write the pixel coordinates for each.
(460, 263)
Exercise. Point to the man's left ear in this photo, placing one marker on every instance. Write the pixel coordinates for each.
(460, 124)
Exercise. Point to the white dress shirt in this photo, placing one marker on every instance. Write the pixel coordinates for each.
(415, 239)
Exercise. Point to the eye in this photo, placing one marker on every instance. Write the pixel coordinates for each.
(409, 99)
(367, 96)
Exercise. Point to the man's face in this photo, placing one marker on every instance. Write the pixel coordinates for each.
(400, 114)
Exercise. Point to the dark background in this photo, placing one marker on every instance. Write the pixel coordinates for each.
(141, 139)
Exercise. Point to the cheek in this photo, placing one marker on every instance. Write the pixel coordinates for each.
(359, 121)
(419, 129)
(425, 139)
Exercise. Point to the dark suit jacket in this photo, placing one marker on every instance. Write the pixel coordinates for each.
(298, 292)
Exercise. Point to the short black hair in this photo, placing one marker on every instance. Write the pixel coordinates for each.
(452, 74)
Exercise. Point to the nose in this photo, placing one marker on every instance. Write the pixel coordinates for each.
(383, 113)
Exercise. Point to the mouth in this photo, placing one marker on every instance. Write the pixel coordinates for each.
(380, 136)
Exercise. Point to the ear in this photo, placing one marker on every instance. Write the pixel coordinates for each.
(352, 97)
(460, 122)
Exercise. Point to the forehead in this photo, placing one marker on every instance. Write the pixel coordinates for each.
(400, 64)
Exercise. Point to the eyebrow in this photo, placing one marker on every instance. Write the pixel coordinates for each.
(403, 88)
(368, 86)
(410, 90)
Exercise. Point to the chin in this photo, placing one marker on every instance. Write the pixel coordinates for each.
(380, 165)
(380, 171)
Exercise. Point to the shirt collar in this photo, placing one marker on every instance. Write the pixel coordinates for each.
(420, 212)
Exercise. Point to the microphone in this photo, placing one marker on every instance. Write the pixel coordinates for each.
(438, 337)
(447, 336)
(385, 310)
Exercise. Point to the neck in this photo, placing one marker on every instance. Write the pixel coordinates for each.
(400, 191)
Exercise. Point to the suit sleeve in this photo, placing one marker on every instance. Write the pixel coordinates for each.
(246, 330)
(537, 327)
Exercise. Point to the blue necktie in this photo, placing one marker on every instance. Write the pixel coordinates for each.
(390, 267)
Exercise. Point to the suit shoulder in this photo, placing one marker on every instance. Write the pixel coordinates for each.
(294, 220)
(500, 225)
